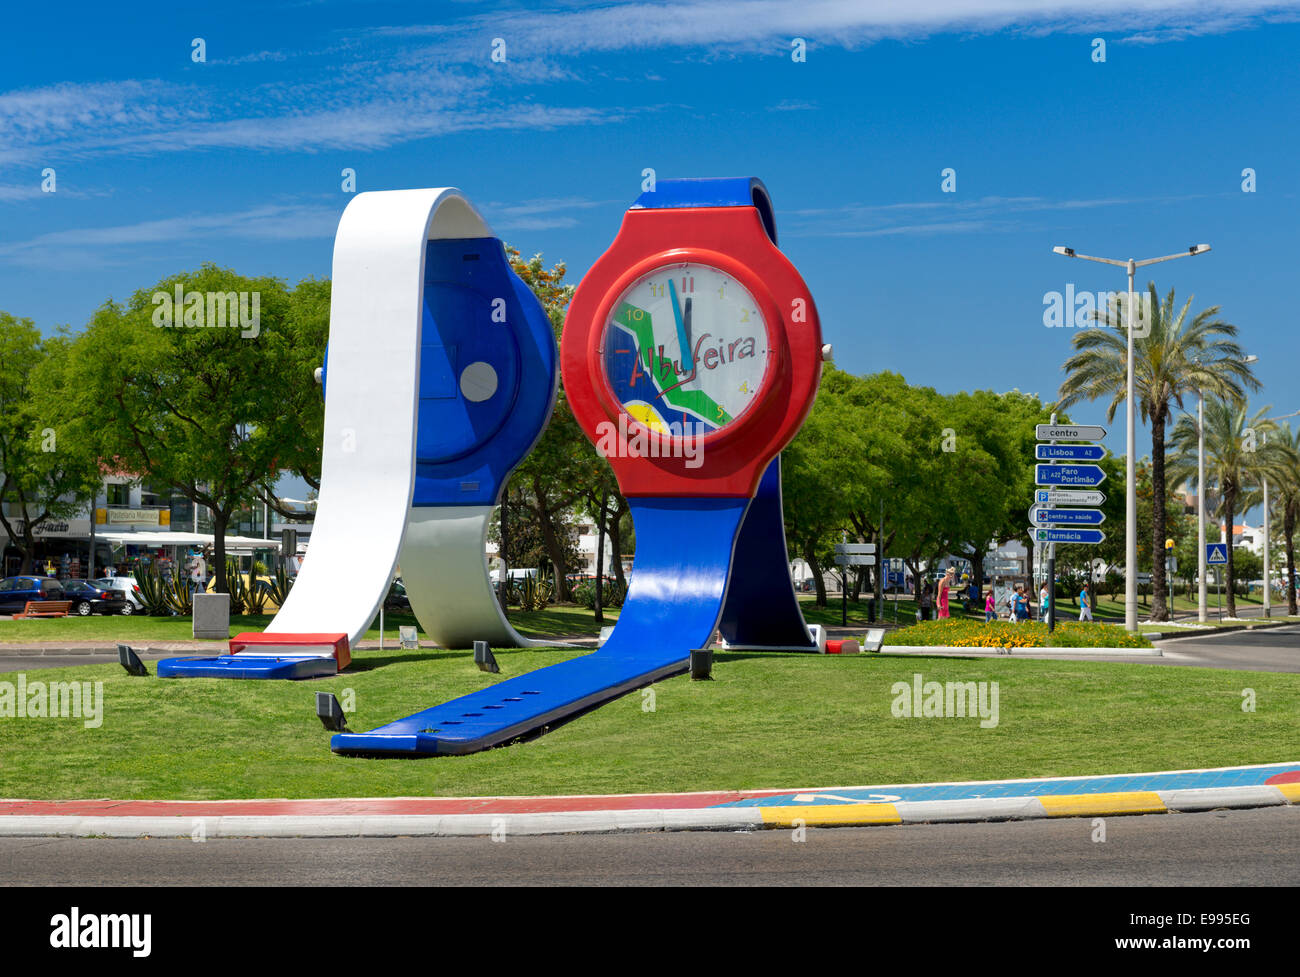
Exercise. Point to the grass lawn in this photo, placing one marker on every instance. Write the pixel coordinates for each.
(549, 623)
(768, 720)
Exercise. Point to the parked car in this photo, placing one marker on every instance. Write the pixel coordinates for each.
(15, 592)
(88, 599)
(127, 587)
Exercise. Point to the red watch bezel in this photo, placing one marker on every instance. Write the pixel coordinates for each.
(767, 309)
(733, 240)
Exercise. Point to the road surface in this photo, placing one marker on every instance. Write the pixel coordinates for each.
(1256, 848)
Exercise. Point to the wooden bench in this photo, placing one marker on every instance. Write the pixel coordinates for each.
(45, 608)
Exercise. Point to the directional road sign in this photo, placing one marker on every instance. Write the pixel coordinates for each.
(1216, 554)
(1068, 497)
(1046, 516)
(1066, 535)
(855, 547)
(1069, 432)
(1070, 452)
(1073, 476)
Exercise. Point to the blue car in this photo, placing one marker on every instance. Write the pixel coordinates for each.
(15, 592)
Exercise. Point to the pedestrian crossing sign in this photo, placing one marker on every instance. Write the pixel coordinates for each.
(1216, 554)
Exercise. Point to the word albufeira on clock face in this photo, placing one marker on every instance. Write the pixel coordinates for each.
(686, 349)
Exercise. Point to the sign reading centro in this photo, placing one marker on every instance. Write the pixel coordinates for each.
(1069, 432)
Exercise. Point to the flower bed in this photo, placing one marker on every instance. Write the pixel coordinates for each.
(959, 633)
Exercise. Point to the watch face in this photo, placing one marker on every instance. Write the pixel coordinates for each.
(685, 349)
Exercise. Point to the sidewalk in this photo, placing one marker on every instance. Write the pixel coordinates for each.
(1264, 785)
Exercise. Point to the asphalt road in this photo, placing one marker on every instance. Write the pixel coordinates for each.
(1267, 650)
(1259, 847)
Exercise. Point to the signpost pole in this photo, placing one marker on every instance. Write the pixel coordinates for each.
(844, 587)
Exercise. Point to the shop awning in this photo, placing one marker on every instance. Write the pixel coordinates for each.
(234, 544)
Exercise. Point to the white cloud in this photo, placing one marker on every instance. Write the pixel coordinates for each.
(770, 24)
(279, 222)
(388, 85)
(939, 216)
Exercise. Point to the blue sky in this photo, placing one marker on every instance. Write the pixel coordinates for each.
(162, 163)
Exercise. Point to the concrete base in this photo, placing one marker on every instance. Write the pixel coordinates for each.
(212, 616)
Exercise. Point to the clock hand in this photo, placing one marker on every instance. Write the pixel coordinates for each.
(690, 345)
(683, 340)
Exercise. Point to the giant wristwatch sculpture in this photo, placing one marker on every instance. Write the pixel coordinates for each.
(691, 355)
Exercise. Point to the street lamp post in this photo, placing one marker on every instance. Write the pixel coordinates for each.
(1200, 507)
(1130, 471)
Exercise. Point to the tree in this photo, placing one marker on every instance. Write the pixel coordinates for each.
(1174, 358)
(819, 474)
(1287, 477)
(190, 403)
(1236, 452)
(299, 345)
(48, 469)
(563, 465)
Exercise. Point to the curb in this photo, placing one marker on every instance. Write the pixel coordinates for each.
(698, 819)
(1027, 652)
(1264, 625)
(200, 647)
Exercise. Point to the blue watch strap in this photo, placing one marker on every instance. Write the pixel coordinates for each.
(762, 610)
(684, 551)
(727, 191)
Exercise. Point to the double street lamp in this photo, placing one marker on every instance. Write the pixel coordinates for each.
(1130, 471)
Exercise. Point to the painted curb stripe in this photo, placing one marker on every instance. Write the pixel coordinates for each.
(1290, 791)
(819, 815)
(1031, 651)
(698, 819)
(1082, 805)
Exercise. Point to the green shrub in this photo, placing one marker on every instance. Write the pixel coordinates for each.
(613, 594)
(153, 591)
(958, 633)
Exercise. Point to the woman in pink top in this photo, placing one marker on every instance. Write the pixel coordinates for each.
(990, 613)
(944, 584)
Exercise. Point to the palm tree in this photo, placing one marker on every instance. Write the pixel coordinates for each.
(1287, 475)
(1239, 449)
(1176, 357)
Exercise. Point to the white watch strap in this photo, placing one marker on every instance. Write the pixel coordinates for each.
(368, 454)
(454, 601)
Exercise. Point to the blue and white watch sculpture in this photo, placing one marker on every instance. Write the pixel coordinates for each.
(442, 373)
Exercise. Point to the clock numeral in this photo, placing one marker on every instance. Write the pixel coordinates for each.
(744, 387)
(720, 412)
(744, 315)
(688, 283)
(721, 288)
(657, 291)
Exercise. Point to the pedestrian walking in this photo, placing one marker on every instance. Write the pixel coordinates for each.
(944, 586)
(1085, 603)
(990, 608)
